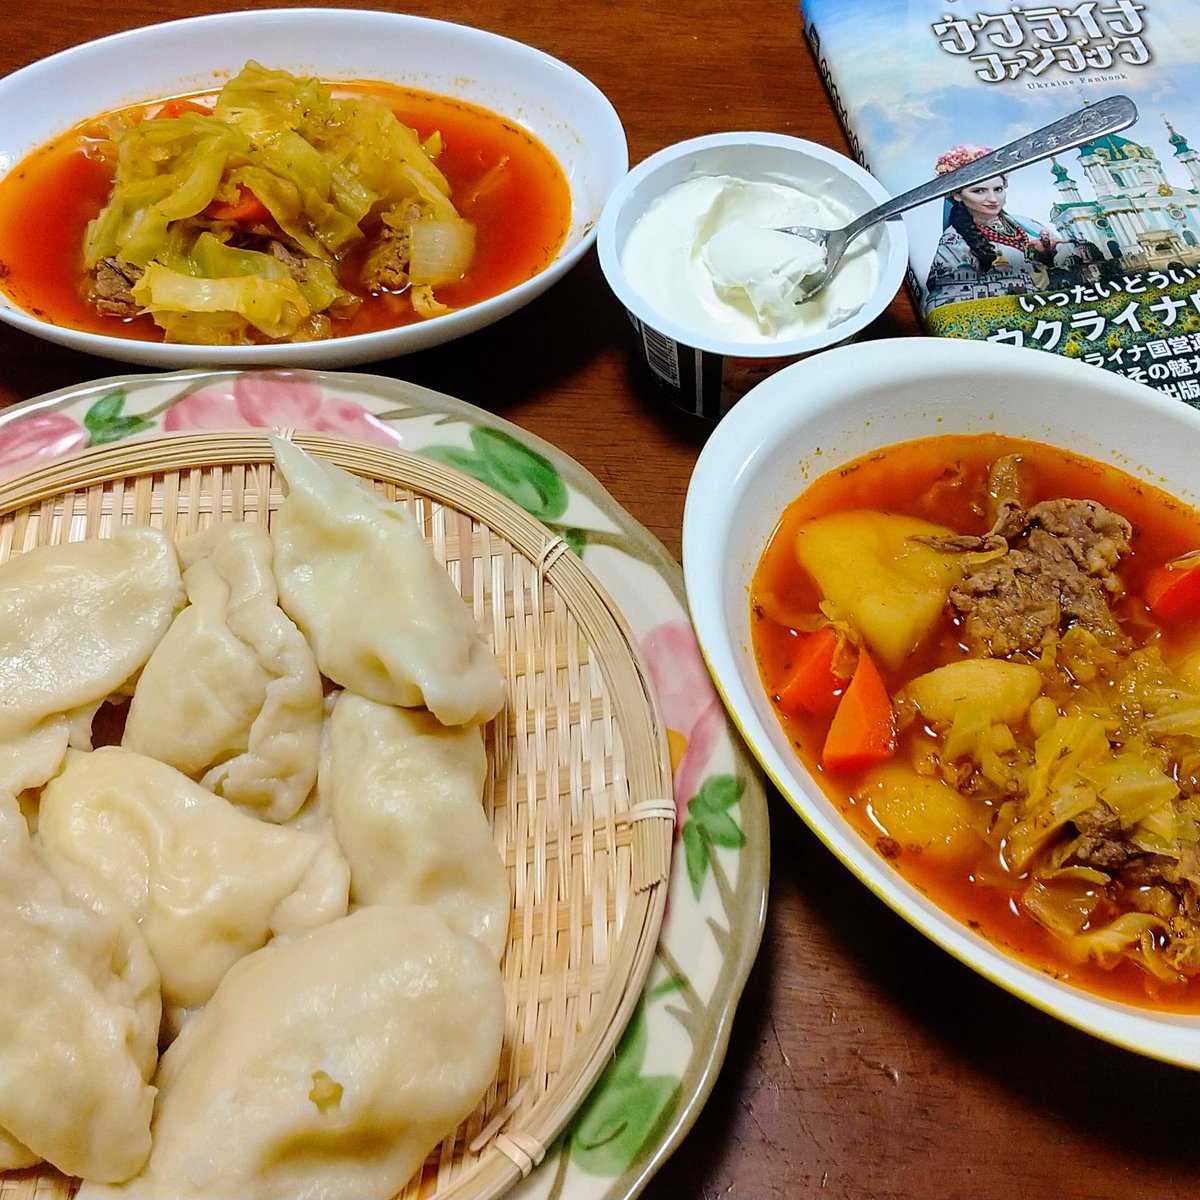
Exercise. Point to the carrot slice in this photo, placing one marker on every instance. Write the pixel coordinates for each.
(1173, 590)
(863, 729)
(246, 209)
(176, 108)
(813, 685)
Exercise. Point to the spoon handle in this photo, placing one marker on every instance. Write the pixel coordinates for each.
(1096, 120)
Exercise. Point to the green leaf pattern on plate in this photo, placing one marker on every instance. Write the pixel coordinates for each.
(513, 469)
(626, 1111)
(106, 420)
(711, 824)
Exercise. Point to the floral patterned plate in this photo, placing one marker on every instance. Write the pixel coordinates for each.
(669, 1057)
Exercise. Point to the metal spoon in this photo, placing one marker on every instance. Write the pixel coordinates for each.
(1106, 116)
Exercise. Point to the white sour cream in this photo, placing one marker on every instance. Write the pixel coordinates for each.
(707, 255)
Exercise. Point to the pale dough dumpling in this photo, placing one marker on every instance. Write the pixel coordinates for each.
(79, 1016)
(79, 620)
(356, 574)
(14, 1155)
(232, 695)
(405, 794)
(327, 1067)
(28, 760)
(206, 882)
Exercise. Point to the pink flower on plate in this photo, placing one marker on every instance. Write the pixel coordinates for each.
(689, 704)
(39, 437)
(275, 401)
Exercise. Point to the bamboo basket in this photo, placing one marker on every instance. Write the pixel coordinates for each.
(579, 792)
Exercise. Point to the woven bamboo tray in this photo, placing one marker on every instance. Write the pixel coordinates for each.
(579, 792)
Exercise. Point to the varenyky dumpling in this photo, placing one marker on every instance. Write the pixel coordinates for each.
(326, 1067)
(405, 794)
(232, 695)
(28, 760)
(13, 1155)
(206, 882)
(79, 1017)
(383, 616)
(79, 620)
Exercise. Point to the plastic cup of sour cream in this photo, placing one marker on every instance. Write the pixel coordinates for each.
(687, 244)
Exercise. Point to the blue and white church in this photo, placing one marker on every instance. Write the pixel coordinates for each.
(1136, 215)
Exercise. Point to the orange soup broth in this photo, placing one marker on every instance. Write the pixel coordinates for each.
(943, 479)
(501, 178)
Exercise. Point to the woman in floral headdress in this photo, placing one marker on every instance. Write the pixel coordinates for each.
(985, 250)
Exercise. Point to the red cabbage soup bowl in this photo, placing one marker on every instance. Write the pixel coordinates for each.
(539, 98)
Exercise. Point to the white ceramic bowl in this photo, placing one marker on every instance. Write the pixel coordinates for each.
(560, 107)
(812, 417)
(700, 372)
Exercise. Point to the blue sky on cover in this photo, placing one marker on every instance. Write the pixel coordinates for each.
(910, 100)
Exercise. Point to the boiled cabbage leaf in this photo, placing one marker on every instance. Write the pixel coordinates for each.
(325, 167)
(214, 278)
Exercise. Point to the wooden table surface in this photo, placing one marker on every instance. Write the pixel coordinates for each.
(865, 1063)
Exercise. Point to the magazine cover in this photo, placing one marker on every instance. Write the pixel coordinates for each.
(1094, 253)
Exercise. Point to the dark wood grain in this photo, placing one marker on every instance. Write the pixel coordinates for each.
(865, 1063)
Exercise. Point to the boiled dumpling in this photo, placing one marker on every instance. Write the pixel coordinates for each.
(232, 695)
(29, 760)
(79, 1016)
(78, 620)
(206, 882)
(327, 1067)
(382, 614)
(14, 1155)
(405, 795)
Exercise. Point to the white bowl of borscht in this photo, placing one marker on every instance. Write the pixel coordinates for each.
(293, 187)
(949, 592)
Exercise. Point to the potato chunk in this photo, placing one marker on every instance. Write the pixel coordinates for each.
(890, 587)
(974, 704)
(1002, 691)
(922, 815)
